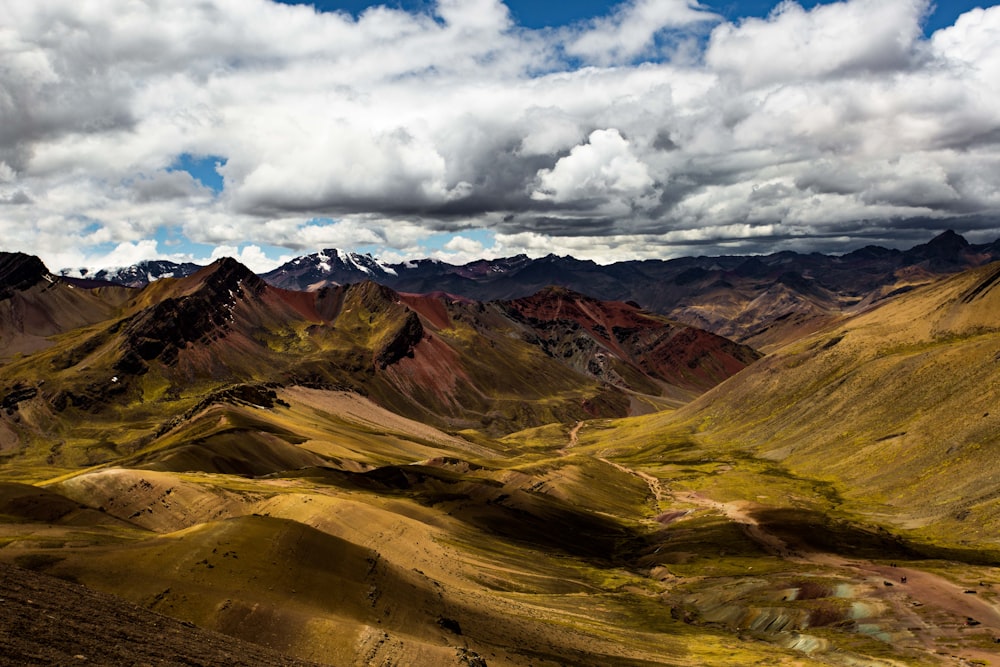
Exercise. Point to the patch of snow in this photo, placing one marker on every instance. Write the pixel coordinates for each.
(353, 259)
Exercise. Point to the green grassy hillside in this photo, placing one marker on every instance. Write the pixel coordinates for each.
(896, 408)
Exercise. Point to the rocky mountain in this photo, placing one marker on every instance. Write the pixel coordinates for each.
(147, 356)
(626, 346)
(137, 275)
(329, 268)
(763, 301)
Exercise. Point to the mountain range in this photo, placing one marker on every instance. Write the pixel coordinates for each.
(763, 301)
(350, 473)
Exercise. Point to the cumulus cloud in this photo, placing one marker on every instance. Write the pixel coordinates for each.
(462, 244)
(842, 39)
(605, 139)
(250, 256)
(604, 166)
(632, 29)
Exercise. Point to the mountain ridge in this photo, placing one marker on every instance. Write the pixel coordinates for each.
(761, 300)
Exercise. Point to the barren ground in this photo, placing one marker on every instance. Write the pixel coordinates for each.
(48, 621)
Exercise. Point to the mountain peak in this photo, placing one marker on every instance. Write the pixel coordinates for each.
(948, 239)
(227, 270)
(19, 271)
(326, 267)
(222, 281)
(944, 251)
(558, 292)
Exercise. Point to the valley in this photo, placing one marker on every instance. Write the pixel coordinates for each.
(358, 476)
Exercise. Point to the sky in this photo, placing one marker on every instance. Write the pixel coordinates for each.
(462, 129)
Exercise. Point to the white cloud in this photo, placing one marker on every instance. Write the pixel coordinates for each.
(972, 40)
(123, 254)
(464, 245)
(631, 30)
(604, 166)
(250, 256)
(851, 38)
(383, 130)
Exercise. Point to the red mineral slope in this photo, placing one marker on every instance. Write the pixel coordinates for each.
(624, 334)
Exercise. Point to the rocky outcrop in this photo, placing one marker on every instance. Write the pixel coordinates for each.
(400, 342)
(623, 345)
(19, 271)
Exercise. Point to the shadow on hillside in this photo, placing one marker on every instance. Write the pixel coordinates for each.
(808, 530)
(521, 516)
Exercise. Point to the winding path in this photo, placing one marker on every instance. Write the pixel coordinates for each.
(574, 439)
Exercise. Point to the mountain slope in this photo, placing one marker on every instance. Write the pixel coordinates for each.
(34, 305)
(54, 622)
(896, 407)
(147, 358)
(616, 341)
(206, 452)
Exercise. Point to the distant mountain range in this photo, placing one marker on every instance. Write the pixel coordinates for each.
(763, 301)
(137, 275)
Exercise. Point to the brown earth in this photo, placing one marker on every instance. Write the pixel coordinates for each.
(48, 621)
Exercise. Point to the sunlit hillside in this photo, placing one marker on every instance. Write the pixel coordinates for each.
(355, 477)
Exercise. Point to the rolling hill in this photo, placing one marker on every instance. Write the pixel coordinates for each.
(355, 475)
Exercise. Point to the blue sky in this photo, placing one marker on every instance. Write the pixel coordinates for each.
(533, 14)
(642, 129)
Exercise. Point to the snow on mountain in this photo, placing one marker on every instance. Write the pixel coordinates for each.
(137, 275)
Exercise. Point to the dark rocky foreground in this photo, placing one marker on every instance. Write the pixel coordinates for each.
(48, 621)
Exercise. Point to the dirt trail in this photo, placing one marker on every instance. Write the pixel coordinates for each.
(655, 487)
(574, 439)
(737, 513)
